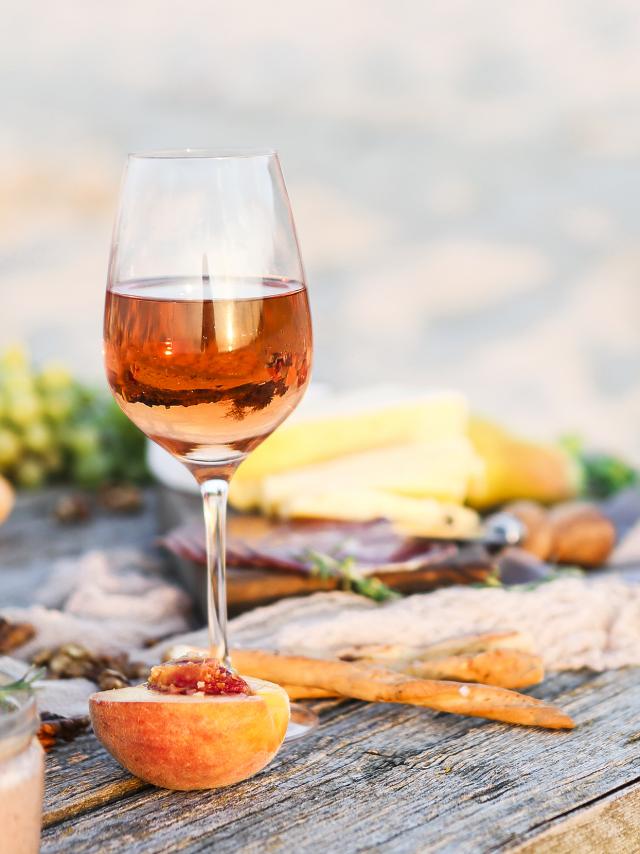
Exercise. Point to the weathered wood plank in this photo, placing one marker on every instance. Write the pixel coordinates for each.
(81, 776)
(399, 778)
(610, 825)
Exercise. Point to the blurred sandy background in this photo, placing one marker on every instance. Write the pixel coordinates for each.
(465, 177)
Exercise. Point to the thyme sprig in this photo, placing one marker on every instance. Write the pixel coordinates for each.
(324, 566)
(27, 680)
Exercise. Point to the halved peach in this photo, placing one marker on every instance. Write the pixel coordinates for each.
(191, 741)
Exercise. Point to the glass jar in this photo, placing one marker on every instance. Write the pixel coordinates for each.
(21, 770)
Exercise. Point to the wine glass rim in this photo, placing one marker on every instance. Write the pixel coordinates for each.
(203, 153)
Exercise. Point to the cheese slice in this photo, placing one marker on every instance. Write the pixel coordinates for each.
(423, 517)
(440, 469)
(346, 425)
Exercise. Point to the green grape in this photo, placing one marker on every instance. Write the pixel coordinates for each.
(29, 473)
(57, 407)
(54, 377)
(135, 470)
(9, 448)
(85, 396)
(37, 437)
(22, 408)
(15, 375)
(15, 384)
(90, 471)
(82, 440)
(14, 358)
(52, 460)
(63, 427)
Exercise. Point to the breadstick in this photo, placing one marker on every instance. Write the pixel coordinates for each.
(506, 668)
(503, 667)
(495, 658)
(299, 692)
(480, 642)
(379, 685)
(460, 645)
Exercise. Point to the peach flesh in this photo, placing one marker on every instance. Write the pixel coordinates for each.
(191, 742)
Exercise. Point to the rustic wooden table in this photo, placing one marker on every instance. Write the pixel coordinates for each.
(370, 777)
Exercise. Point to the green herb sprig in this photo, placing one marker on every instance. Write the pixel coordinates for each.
(25, 682)
(603, 474)
(324, 566)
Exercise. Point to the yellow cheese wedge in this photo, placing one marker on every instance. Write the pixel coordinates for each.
(350, 427)
(440, 469)
(514, 468)
(420, 517)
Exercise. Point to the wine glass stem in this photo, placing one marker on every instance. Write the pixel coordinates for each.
(214, 496)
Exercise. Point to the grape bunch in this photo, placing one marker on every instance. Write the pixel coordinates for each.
(54, 428)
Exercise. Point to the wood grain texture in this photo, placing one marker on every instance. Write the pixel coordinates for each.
(81, 776)
(610, 825)
(391, 778)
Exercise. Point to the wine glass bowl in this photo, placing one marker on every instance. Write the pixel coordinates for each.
(207, 331)
(209, 378)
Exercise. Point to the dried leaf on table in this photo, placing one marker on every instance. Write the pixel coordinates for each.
(14, 635)
(122, 498)
(55, 727)
(71, 509)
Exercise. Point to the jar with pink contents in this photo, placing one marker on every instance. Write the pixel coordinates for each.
(21, 769)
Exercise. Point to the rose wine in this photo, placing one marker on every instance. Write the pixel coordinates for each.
(207, 368)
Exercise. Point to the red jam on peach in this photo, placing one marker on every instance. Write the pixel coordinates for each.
(194, 676)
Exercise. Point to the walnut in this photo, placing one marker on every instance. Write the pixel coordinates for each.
(582, 534)
(71, 509)
(109, 679)
(72, 660)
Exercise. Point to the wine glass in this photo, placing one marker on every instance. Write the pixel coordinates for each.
(207, 331)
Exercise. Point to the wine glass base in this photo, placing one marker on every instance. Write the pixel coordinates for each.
(302, 721)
